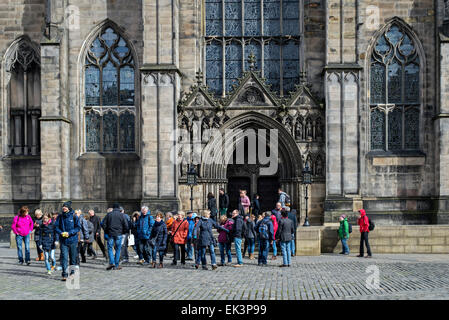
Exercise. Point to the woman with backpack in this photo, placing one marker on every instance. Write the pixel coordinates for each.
(225, 240)
(364, 224)
(343, 234)
(264, 228)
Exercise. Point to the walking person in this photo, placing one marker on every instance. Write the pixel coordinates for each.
(292, 217)
(97, 231)
(189, 247)
(250, 236)
(284, 199)
(275, 229)
(158, 240)
(343, 234)
(180, 232)
(223, 202)
(363, 222)
(22, 226)
(37, 224)
(47, 233)
(67, 227)
(83, 236)
(124, 255)
(284, 235)
(88, 242)
(144, 225)
(114, 226)
(203, 232)
(212, 206)
(225, 239)
(265, 232)
(237, 235)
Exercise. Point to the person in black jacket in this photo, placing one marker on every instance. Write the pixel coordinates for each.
(158, 239)
(292, 217)
(114, 226)
(256, 205)
(37, 224)
(223, 202)
(97, 230)
(238, 231)
(284, 234)
(250, 236)
(212, 206)
(47, 236)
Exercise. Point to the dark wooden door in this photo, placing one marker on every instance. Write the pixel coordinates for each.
(234, 185)
(267, 188)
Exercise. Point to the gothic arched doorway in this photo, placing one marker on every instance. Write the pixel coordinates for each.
(225, 171)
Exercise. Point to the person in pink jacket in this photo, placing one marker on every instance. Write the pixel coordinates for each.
(245, 202)
(22, 226)
(275, 228)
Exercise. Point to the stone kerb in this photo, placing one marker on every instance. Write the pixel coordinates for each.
(308, 241)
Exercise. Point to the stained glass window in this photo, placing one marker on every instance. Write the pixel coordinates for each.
(394, 91)
(109, 94)
(270, 29)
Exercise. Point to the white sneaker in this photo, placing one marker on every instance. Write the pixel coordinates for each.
(59, 268)
(136, 257)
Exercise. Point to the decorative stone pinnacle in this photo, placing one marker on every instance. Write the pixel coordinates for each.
(199, 77)
(303, 76)
(252, 61)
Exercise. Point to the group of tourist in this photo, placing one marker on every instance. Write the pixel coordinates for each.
(189, 235)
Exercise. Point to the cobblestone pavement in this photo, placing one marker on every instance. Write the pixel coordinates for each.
(325, 277)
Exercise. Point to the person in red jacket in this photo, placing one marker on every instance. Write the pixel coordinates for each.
(363, 222)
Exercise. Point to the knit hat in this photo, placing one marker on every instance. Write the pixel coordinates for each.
(343, 216)
(67, 204)
(194, 215)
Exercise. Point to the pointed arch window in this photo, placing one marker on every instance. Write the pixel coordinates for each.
(24, 98)
(109, 92)
(270, 29)
(395, 91)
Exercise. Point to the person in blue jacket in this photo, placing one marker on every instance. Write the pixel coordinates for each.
(67, 227)
(158, 239)
(144, 226)
(265, 231)
(189, 247)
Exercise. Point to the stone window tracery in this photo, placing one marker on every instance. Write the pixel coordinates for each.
(395, 91)
(270, 29)
(109, 81)
(24, 97)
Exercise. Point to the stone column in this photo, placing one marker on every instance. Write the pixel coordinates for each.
(55, 126)
(160, 93)
(342, 105)
(442, 132)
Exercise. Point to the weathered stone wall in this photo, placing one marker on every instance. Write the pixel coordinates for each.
(19, 178)
(410, 182)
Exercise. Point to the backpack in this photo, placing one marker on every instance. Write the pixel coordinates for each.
(287, 200)
(371, 225)
(263, 231)
(349, 227)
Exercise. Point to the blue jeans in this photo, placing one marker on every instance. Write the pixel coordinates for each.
(251, 246)
(263, 251)
(225, 247)
(68, 251)
(19, 240)
(189, 249)
(115, 242)
(238, 249)
(275, 249)
(344, 243)
(154, 253)
(286, 252)
(50, 254)
(292, 245)
(202, 256)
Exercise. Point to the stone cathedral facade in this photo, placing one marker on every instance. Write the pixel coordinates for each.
(91, 92)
